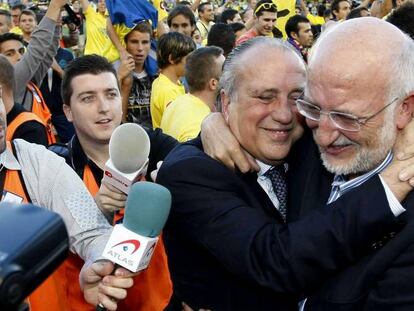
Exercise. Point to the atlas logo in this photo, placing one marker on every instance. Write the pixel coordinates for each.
(125, 245)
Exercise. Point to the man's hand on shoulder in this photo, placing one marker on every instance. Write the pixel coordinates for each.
(399, 175)
(220, 144)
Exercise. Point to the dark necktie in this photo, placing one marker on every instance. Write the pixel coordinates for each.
(277, 176)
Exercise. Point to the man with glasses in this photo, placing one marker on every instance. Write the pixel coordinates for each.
(227, 238)
(356, 114)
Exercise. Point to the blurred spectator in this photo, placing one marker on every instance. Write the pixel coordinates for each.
(172, 51)
(239, 29)
(300, 36)
(265, 15)
(15, 11)
(340, 9)
(223, 36)
(136, 79)
(197, 37)
(181, 19)
(5, 21)
(403, 18)
(313, 19)
(206, 18)
(95, 22)
(50, 89)
(182, 118)
(27, 24)
(358, 12)
(230, 16)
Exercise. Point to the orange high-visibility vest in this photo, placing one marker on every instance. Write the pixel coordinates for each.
(152, 288)
(50, 294)
(25, 117)
(40, 108)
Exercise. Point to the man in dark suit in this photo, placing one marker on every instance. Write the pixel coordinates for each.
(228, 244)
(356, 114)
(375, 84)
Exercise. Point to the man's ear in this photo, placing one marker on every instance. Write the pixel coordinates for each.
(294, 35)
(170, 60)
(68, 112)
(225, 103)
(405, 111)
(213, 84)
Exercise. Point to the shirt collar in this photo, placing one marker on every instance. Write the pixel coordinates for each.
(339, 180)
(265, 167)
(9, 160)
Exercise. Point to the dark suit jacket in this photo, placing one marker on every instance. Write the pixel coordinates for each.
(229, 249)
(382, 280)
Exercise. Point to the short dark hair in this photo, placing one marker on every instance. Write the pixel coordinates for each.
(403, 18)
(174, 45)
(7, 14)
(184, 2)
(335, 6)
(143, 27)
(200, 67)
(237, 26)
(201, 7)
(89, 64)
(327, 13)
(28, 12)
(181, 10)
(228, 14)
(6, 73)
(10, 36)
(259, 9)
(20, 7)
(292, 25)
(355, 13)
(321, 10)
(223, 36)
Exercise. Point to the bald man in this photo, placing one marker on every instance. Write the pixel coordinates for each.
(358, 101)
(359, 97)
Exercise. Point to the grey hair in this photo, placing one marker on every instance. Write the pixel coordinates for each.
(229, 78)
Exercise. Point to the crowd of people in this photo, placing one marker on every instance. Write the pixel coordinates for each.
(285, 130)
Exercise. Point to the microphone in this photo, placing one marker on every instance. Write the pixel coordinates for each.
(129, 148)
(132, 243)
(33, 243)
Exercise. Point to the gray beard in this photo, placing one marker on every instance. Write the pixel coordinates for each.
(365, 159)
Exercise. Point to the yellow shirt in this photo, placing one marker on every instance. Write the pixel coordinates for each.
(203, 28)
(182, 118)
(16, 30)
(315, 20)
(163, 92)
(96, 36)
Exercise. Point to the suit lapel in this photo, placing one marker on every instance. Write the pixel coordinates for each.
(250, 181)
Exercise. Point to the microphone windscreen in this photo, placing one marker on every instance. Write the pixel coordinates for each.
(129, 147)
(147, 208)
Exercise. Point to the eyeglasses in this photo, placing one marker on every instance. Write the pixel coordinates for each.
(266, 6)
(342, 120)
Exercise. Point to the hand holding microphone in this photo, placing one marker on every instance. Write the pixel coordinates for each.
(132, 243)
